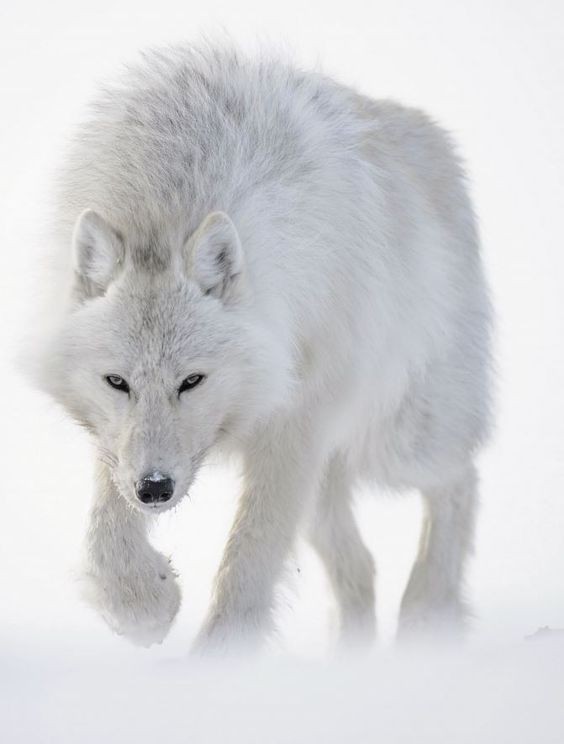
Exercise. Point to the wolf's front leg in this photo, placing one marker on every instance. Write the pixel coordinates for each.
(127, 580)
(281, 470)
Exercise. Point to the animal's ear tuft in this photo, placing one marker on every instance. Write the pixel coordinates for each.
(215, 257)
(97, 254)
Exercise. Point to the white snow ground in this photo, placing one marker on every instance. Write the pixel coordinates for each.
(72, 693)
(493, 72)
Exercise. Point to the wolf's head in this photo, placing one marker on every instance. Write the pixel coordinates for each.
(161, 359)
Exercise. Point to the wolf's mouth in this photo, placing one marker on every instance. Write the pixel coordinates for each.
(159, 507)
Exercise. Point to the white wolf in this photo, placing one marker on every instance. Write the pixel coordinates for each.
(257, 258)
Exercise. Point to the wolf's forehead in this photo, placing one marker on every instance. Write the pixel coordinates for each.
(154, 307)
(164, 325)
(158, 351)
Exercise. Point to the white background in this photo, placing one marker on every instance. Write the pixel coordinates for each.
(492, 72)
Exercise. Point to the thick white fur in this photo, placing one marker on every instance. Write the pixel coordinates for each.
(334, 299)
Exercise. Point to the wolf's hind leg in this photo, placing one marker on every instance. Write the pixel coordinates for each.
(433, 604)
(126, 579)
(349, 564)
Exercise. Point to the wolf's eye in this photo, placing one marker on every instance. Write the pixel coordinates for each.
(117, 382)
(190, 382)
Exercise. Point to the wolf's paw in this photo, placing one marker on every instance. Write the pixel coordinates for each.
(139, 603)
(231, 634)
(424, 623)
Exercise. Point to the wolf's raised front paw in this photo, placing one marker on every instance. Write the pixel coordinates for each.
(139, 603)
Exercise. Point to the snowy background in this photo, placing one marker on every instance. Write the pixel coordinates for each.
(491, 71)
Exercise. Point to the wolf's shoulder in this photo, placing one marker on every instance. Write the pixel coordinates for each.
(195, 84)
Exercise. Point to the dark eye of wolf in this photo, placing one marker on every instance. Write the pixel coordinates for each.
(190, 382)
(117, 382)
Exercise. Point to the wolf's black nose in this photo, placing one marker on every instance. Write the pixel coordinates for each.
(155, 488)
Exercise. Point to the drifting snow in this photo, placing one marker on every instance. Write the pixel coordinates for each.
(69, 693)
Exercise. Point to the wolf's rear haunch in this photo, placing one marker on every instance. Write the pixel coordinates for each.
(257, 258)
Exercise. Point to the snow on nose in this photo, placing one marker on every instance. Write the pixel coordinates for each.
(154, 488)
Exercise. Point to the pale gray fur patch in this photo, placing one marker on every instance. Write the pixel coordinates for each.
(151, 254)
(196, 130)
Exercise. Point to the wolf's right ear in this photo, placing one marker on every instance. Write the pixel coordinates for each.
(97, 254)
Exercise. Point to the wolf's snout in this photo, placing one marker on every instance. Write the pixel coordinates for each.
(154, 488)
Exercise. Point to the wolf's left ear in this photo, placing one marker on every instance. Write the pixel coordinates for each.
(214, 257)
(97, 253)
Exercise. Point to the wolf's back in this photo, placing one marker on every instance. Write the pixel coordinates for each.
(189, 129)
